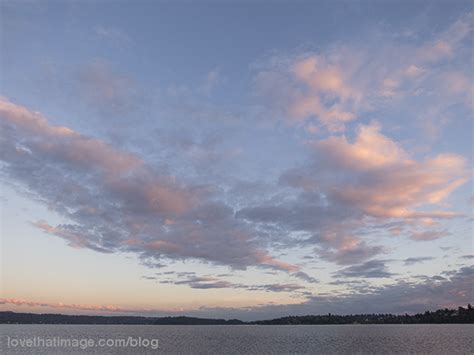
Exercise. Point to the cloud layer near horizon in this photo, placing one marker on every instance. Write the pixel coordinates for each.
(448, 290)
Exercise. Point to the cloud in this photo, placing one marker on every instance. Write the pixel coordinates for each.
(398, 298)
(448, 42)
(282, 287)
(73, 234)
(112, 35)
(328, 228)
(415, 260)
(107, 90)
(348, 188)
(76, 307)
(414, 71)
(205, 283)
(379, 178)
(322, 77)
(304, 276)
(458, 86)
(429, 235)
(212, 282)
(205, 153)
(369, 269)
(337, 203)
(323, 82)
(313, 86)
(347, 250)
(213, 78)
(330, 88)
(115, 201)
(119, 172)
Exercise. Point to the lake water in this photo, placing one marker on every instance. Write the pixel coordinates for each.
(242, 339)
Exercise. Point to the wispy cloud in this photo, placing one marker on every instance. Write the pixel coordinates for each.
(429, 235)
(105, 89)
(415, 260)
(330, 88)
(112, 35)
(369, 269)
(398, 298)
(63, 306)
(213, 282)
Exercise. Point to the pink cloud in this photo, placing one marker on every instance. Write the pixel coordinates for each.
(371, 150)
(60, 305)
(384, 181)
(267, 260)
(429, 235)
(116, 201)
(322, 80)
(315, 87)
(124, 173)
(322, 77)
(446, 44)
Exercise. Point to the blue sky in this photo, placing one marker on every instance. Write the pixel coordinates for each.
(236, 159)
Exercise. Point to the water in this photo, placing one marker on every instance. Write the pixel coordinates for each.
(248, 339)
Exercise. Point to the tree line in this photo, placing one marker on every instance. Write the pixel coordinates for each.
(441, 316)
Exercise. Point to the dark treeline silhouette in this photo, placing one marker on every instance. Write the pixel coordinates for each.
(441, 316)
(194, 321)
(33, 318)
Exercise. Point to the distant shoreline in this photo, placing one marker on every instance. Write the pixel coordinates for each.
(443, 316)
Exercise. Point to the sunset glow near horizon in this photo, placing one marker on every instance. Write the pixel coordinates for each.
(236, 160)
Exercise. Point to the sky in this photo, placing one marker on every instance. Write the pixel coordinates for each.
(236, 159)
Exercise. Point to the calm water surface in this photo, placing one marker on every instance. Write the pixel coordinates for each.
(248, 339)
